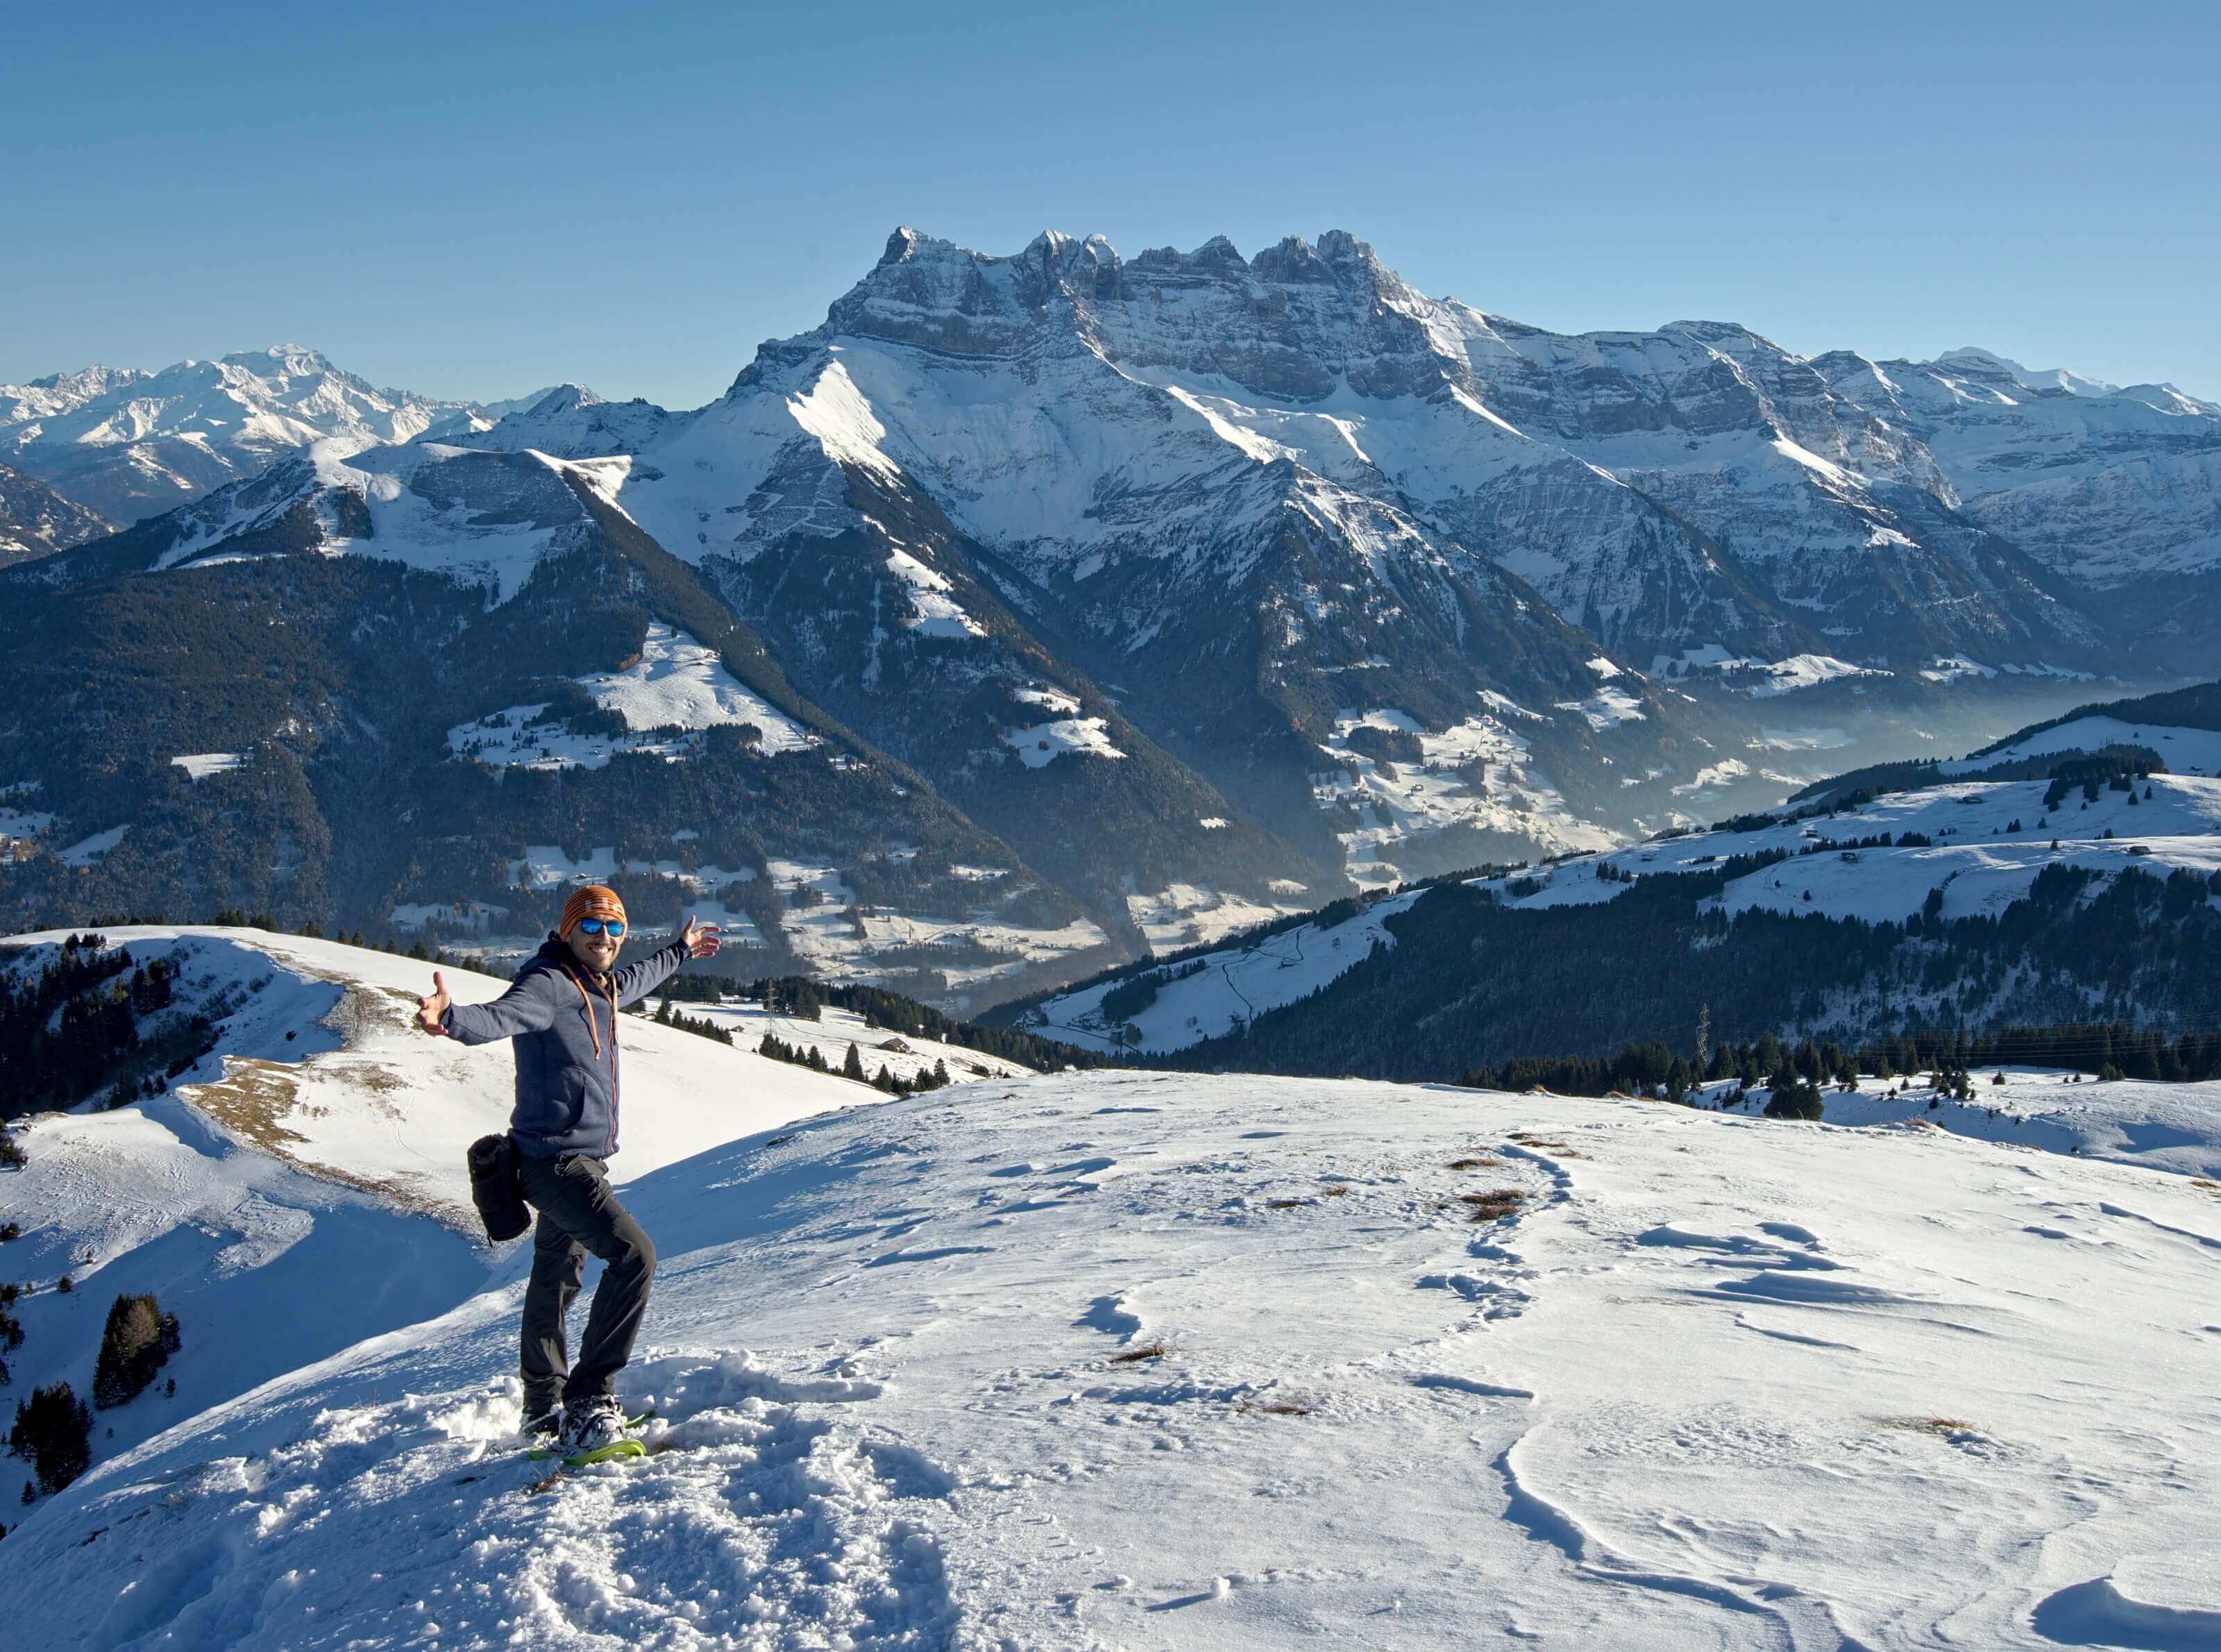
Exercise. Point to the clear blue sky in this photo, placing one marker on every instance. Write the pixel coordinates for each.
(474, 200)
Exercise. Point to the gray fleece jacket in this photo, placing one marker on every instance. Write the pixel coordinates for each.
(564, 1018)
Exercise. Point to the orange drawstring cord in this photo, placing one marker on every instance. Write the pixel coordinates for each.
(593, 1026)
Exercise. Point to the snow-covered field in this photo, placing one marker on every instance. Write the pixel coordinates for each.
(835, 943)
(677, 688)
(1042, 743)
(1185, 915)
(2174, 1126)
(1142, 1360)
(818, 919)
(2186, 751)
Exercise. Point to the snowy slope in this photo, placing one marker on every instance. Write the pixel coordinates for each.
(1716, 1382)
(905, 1054)
(36, 520)
(2185, 751)
(482, 519)
(2173, 1127)
(303, 1186)
(1222, 990)
(1975, 858)
(676, 689)
(1988, 840)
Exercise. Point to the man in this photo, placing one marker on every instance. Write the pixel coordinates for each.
(562, 1014)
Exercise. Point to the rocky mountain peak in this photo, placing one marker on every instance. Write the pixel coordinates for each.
(68, 389)
(563, 398)
(1988, 367)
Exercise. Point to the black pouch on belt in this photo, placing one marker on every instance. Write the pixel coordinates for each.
(495, 1188)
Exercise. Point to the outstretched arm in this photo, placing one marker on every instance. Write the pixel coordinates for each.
(695, 940)
(528, 1007)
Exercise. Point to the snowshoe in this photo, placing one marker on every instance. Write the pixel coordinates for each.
(588, 1449)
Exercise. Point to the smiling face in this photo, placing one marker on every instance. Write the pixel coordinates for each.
(596, 952)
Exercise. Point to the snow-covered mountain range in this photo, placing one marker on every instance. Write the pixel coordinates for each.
(125, 443)
(1289, 491)
(1206, 587)
(1088, 417)
(1094, 1360)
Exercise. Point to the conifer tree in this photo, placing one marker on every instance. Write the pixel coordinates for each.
(138, 1339)
(52, 1433)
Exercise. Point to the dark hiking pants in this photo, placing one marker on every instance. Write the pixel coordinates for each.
(578, 1214)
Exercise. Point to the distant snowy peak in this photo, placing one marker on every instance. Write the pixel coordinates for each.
(1970, 357)
(2108, 486)
(128, 443)
(571, 422)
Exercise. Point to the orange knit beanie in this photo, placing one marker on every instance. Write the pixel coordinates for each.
(590, 900)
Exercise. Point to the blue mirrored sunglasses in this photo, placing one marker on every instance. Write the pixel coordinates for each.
(614, 928)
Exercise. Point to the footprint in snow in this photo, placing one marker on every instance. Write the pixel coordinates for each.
(1499, 1299)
